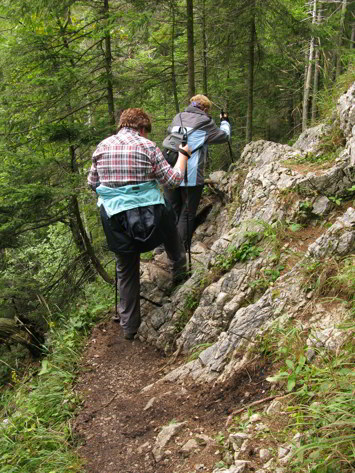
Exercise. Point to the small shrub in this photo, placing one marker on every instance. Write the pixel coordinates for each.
(246, 251)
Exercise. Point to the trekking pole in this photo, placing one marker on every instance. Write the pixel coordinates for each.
(187, 222)
(229, 143)
(183, 143)
(117, 317)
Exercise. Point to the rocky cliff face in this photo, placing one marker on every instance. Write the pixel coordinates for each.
(279, 211)
(274, 188)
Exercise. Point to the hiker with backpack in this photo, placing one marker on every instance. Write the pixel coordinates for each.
(201, 131)
(125, 172)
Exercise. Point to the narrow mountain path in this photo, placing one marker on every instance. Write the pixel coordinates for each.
(120, 419)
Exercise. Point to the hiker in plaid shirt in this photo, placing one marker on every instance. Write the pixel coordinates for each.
(130, 158)
(125, 172)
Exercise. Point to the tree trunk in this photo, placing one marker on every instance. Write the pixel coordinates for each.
(86, 242)
(327, 69)
(315, 85)
(250, 85)
(79, 233)
(108, 66)
(316, 71)
(190, 48)
(173, 71)
(308, 74)
(204, 53)
(78, 230)
(340, 39)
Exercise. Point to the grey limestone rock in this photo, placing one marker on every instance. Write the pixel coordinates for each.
(262, 191)
(264, 454)
(164, 437)
(217, 362)
(322, 206)
(309, 140)
(346, 111)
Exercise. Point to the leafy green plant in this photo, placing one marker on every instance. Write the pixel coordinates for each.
(295, 227)
(147, 256)
(292, 373)
(335, 200)
(246, 251)
(305, 209)
(269, 276)
(220, 438)
(221, 464)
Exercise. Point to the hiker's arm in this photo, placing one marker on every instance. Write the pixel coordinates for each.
(217, 135)
(93, 177)
(182, 158)
(164, 173)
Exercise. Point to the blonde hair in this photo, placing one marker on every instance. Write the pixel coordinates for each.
(202, 100)
(135, 118)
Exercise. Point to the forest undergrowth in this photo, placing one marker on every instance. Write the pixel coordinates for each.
(38, 405)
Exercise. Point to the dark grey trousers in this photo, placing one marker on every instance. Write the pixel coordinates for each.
(128, 272)
(184, 201)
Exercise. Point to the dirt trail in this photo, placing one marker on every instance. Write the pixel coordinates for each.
(117, 428)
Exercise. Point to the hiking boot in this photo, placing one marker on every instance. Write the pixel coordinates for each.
(129, 336)
(180, 278)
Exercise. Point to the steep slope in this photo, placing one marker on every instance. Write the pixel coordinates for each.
(281, 229)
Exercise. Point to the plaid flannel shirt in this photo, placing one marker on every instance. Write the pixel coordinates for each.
(128, 158)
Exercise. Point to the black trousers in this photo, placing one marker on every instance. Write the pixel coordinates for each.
(185, 201)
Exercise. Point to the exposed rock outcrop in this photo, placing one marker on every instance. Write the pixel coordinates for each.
(267, 188)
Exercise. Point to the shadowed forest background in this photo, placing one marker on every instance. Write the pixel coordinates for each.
(68, 67)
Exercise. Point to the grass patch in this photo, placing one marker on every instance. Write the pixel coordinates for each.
(324, 410)
(321, 406)
(316, 159)
(330, 277)
(35, 432)
(327, 99)
(197, 350)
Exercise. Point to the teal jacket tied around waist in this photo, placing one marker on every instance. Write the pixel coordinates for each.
(119, 199)
(134, 217)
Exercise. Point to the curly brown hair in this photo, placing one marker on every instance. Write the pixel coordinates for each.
(135, 118)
